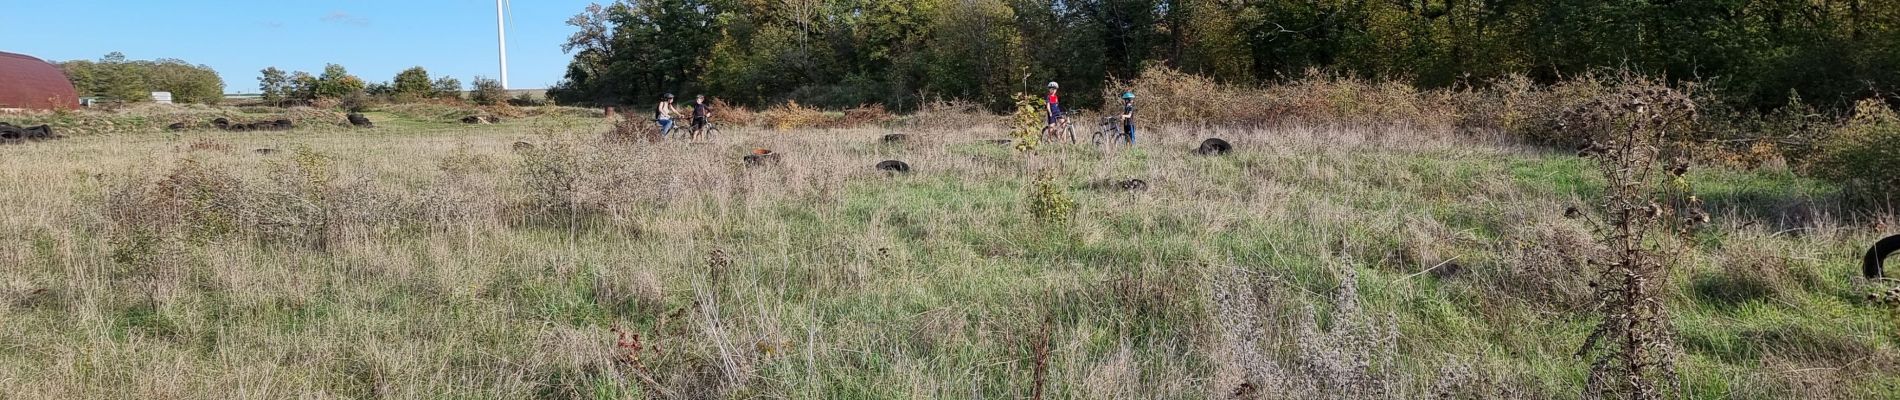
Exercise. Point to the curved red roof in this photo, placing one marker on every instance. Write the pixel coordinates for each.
(29, 83)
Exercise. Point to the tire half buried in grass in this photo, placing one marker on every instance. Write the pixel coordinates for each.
(1874, 266)
(761, 157)
(1214, 147)
(893, 166)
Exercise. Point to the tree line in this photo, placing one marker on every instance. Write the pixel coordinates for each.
(1756, 53)
(114, 77)
(336, 83)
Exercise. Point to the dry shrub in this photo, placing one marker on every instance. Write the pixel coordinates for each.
(632, 129)
(442, 111)
(1354, 356)
(638, 290)
(208, 145)
(951, 114)
(1864, 155)
(299, 202)
(1326, 98)
(791, 115)
(1168, 96)
(1425, 242)
(458, 197)
(562, 111)
(863, 116)
(1751, 273)
(550, 173)
(192, 202)
(504, 110)
(728, 114)
(1544, 264)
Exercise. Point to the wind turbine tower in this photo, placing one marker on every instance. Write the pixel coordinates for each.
(501, 33)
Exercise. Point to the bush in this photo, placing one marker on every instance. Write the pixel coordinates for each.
(488, 92)
(1864, 155)
(447, 88)
(792, 115)
(527, 99)
(1048, 203)
(1026, 123)
(412, 82)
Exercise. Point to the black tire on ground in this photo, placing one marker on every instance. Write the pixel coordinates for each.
(221, 123)
(264, 152)
(895, 138)
(1132, 185)
(176, 126)
(1214, 147)
(358, 120)
(1874, 267)
(760, 160)
(893, 166)
(523, 146)
(40, 132)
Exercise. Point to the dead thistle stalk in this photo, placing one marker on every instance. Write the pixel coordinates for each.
(1633, 349)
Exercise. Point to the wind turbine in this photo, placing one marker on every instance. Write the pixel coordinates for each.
(501, 33)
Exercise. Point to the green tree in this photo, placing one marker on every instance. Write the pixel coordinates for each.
(413, 83)
(446, 87)
(974, 53)
(657, 46)
(336, 82)
(303, 86)
(187, 83)
(275, 85)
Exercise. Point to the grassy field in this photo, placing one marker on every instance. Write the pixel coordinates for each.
(433, 260)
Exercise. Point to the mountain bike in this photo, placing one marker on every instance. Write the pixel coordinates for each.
(710, 130)
(664, 131)
(1110, 131)
(1062, 126)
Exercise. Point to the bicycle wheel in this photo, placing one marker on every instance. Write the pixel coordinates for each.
(712, 132)
(1070, 129)
(1098, 139)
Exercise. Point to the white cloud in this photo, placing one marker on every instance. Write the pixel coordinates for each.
(340, 17)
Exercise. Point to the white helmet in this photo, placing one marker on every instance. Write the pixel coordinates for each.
(1053, 85)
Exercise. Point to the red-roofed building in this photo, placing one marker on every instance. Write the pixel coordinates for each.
(32, 84)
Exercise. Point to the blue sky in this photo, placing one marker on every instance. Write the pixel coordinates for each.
(373, 39)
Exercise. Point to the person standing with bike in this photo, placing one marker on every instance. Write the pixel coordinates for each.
(663, 114)
(1056, 120)
(1128, 117)
(701, 112)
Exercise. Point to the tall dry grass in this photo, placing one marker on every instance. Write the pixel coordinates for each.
(1318, 260)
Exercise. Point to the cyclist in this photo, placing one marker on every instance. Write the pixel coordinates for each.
(664, 115)
(701, 112)
(1055, 112)
(1128, 116)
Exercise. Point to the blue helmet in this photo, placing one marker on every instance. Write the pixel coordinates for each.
(1128, 95)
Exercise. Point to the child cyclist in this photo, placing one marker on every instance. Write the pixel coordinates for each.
(1128, 116)
(1055, 112)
